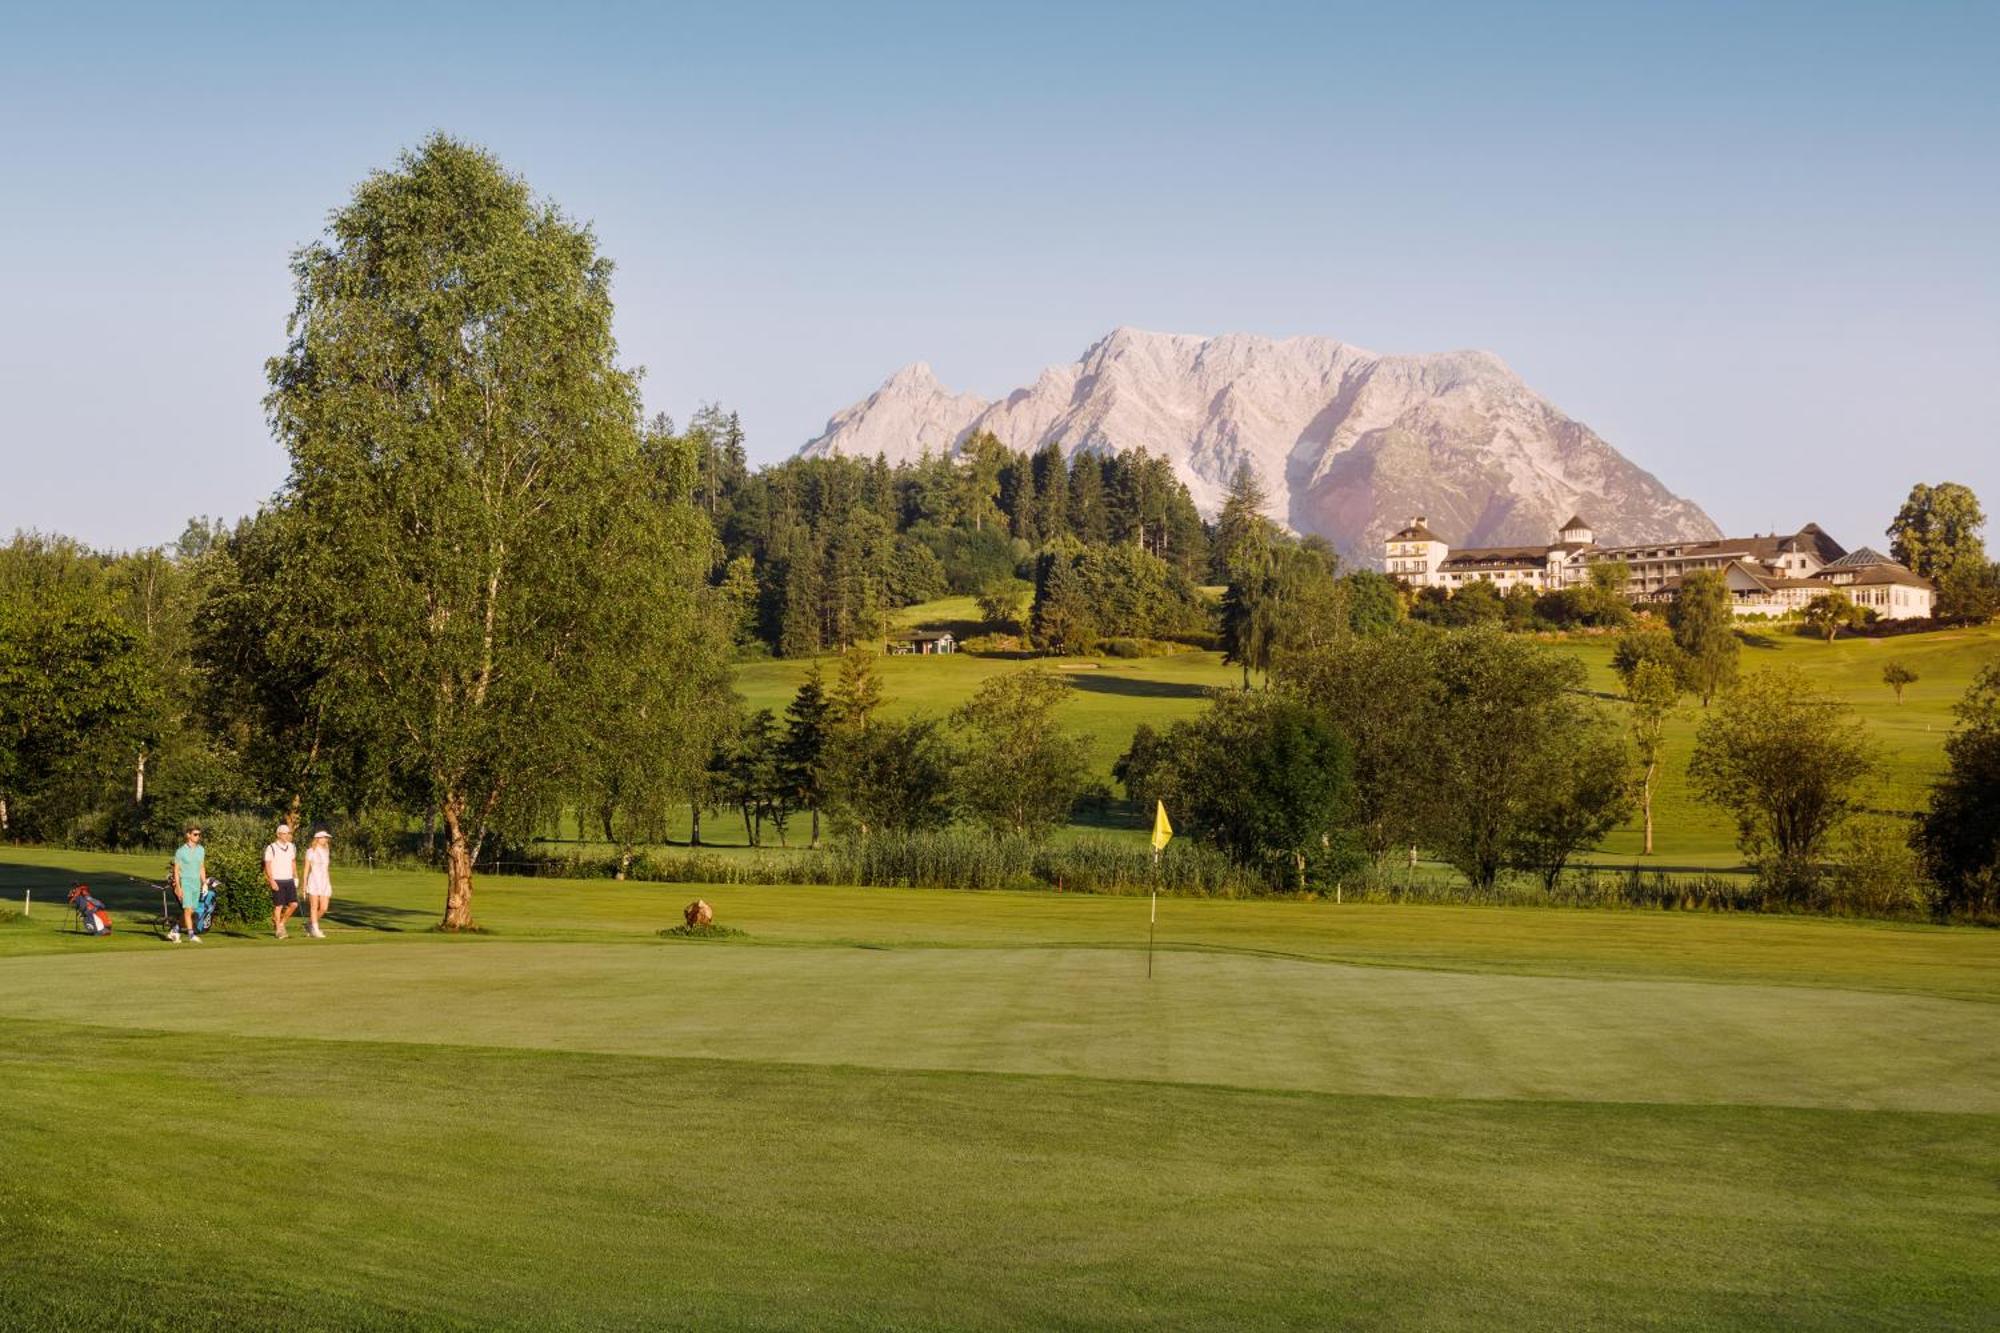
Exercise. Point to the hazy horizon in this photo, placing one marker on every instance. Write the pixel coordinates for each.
(1753, 251)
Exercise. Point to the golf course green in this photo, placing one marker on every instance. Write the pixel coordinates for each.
(908, 1108)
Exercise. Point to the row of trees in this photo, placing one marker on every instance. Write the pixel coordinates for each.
(818, 549)
(1001, 761)
(1481, 747)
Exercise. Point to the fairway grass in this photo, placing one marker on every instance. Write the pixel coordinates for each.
(898, 1108)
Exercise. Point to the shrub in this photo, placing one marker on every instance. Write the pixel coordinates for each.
(711, 931)
(236, 863)
(1875, 872)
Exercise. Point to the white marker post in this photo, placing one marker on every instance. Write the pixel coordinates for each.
(1152, 920)
(1163, 832)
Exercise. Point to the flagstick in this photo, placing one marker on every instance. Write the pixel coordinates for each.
(1152, 919)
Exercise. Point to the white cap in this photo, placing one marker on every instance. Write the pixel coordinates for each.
(285, 829)
(322, 833)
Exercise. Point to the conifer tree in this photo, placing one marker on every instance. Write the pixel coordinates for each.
(1088, 520)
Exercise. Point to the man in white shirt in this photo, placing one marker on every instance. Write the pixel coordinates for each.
(281, 873)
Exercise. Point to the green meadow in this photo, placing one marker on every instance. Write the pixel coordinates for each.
(907, 1108)
(1114, 695)
(919, 1108)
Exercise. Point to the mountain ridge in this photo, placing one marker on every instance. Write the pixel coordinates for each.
(1348, 443)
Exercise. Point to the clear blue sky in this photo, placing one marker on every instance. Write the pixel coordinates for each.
(1753, 246)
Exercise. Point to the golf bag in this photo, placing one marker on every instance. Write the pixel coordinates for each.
(90, 913)
(204, 908)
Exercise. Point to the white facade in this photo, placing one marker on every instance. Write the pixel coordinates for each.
(1766, 574)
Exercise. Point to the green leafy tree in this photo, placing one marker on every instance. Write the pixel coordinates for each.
(1477, 603)
(739, 599)
(655, 719)
(981, 459)
(1828, 613)
(1510, 728)
(1958, 837)
(1141, 770)
(1250, 612)
(1017, 770)
(1003, 602)
(1653, 688)
(1265, 779)
(1969, 592)
(72, 675)
(468, 497)
(1373, 604)
(1588, 793)
(1787, 762)
(1937, 530)
(1379, 692)
(1898, 676)
(890, 777)
(1703, 624)
(1642, 644)
(1607, 603)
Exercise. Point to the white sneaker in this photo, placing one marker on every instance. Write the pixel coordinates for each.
(317, 933)
(174, 936)
(194, 939)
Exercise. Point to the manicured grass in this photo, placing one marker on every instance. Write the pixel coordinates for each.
(1115, 695)
(1910, 735)
(930, 1109)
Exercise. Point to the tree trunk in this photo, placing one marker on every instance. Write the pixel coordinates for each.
(1646, 802)
(694, 833)
(815, 837)
(139, 779)
(458, 867)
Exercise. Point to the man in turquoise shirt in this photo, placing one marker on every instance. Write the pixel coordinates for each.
(190, 872)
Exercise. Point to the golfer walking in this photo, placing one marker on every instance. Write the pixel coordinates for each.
(319, 881)
(190, 873)
(281, 873)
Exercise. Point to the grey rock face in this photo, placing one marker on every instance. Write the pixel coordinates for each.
(1347, 444)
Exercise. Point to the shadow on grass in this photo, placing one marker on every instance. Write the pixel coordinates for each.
(377, 916)
(1093, 683)
(50, 886)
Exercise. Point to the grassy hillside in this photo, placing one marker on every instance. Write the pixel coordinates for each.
(1114, 695)
(907, 1108)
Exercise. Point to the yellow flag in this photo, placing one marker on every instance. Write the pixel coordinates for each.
(1163, 831)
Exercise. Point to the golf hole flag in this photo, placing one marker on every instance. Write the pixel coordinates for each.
(1163, 832)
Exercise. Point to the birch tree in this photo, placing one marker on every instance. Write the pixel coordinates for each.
(468, 493)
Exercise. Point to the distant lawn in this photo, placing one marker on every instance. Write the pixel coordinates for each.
(888, 1108)
(1115, 695)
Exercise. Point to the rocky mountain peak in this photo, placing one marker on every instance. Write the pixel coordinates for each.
(1346, 442)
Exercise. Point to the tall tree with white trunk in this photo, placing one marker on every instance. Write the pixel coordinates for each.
(469, 497)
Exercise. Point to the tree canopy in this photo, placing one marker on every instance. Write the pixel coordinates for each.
(1937, 530)
(473, 529)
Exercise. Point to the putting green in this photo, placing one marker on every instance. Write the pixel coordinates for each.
(910, 1109)
(1206, 1017)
